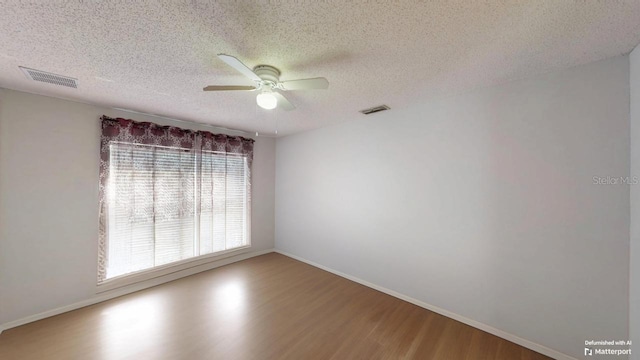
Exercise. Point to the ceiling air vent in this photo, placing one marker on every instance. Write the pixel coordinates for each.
(375, 109)
(50, 78)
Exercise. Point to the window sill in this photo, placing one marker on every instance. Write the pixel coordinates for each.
(143, 275)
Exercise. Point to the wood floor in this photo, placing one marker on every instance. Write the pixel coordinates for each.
(267, 307)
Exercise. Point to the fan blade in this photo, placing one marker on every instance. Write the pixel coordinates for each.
(228, 87)
(238, 65)
(305, 84)
(283, 102)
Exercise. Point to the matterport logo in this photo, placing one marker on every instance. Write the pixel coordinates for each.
(612, 347)
(615, 180)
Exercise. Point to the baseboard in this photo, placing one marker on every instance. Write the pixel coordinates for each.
(132, 288)
(478, 325)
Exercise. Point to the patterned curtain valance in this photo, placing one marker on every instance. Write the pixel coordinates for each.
(126, 130)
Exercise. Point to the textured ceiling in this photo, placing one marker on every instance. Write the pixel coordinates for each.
(156, 56)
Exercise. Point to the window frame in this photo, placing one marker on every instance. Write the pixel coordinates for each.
(235, 146)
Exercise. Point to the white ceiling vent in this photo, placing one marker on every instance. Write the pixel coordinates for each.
(50, 78)
(375, 109)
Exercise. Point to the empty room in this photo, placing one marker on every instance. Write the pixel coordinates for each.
(292, 179)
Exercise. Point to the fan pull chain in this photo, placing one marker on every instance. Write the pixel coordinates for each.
(255, 106)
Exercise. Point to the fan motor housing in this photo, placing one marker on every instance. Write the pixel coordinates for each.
(267, 73)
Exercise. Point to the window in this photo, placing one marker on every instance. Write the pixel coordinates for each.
(168, 201)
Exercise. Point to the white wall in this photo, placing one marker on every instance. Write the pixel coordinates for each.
(634, 62)
(481, 204)
(49, 159)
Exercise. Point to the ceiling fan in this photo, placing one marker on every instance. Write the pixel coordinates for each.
(267, 81)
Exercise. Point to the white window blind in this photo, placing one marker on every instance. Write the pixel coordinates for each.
(167, 204)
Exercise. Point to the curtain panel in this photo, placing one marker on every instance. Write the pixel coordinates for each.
(127, 136)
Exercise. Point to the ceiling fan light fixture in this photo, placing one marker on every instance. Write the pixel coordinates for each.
(267, 100)
(267, 79)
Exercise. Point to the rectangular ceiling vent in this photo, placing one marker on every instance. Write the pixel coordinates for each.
(50, 78)
(375, 109)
